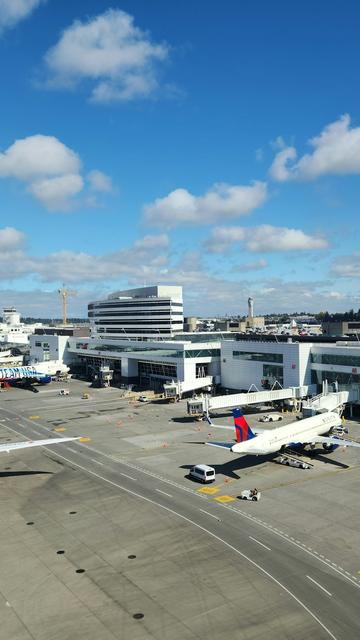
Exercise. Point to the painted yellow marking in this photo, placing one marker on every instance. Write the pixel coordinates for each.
(225, 499)
(209, 490)
(85, 440)
(60, 429)
(358, 572)
(34, 417)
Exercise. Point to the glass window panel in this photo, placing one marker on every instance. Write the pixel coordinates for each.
(258, 356)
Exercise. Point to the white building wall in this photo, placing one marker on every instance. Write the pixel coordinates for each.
(305, 349)
(49, 347)
(241, 374)
(238, 374)
(165, 352)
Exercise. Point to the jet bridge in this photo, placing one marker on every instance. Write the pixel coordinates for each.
(325, 402)
(204, 404)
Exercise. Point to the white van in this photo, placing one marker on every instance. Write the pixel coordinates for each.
(203, 473)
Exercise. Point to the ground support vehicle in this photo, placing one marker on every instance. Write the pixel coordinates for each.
(270, 417)
(294, 462)
(203, 473)
(250, 494)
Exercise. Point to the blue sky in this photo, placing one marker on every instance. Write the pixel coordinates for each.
(213, 145)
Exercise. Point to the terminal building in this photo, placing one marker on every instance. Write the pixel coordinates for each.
(291, 362)
(137, 336)
(148, 312)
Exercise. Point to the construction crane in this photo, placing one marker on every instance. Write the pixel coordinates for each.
(64, 293)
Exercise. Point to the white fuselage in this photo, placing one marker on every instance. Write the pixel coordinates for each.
(301, 431)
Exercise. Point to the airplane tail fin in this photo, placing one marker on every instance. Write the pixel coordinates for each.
(242, 430)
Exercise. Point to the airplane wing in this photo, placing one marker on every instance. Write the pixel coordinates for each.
(11, 446)
(222, 445)
(339, 442)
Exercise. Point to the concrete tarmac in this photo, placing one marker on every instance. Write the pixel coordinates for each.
(201, 566)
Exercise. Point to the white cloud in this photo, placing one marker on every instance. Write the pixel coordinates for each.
(279, 169)
(221, 202)
(40, 303)
(11, 239)
(12, 11)
(347, 266)
(152, 242)
(99, 181)
(278, 143)
(252, 266)
(37, 156)
(118, 58)
(141, 260)
(56, 193)
(148, 259)
(264, 238)
(336, 152)
(50, 170)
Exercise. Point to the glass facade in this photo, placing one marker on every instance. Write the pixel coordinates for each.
(317, 377)
(257, 356)
(163, 353)
(208, 336)
(336, 359)
(157, 369)
(201, 353)
(273, 372)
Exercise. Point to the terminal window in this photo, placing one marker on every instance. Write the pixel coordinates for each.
(273, 373)
(317, 377)
(257, 356)
(332, 358)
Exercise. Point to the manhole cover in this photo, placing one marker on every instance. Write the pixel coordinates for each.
(138, 616)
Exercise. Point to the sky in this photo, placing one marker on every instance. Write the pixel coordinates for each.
(213, 145)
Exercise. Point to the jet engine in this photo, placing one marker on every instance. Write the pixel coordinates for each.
(329, 447)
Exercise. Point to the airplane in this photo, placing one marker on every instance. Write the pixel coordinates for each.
(11, 446)
(25, 374)
(309, 431)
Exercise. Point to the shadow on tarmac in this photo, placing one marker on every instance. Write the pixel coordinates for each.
(325, 459)
(9, 474)
(185, 419)
(237, 464)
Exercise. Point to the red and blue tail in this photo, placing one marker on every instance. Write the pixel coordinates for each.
(242, 429)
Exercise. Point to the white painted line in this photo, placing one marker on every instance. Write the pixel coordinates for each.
(72, 450)
(319, 585)
(97, 461)
(126, 476)
(210, 514)
(352, 579)
(260, 543)
(195, 524)
(164, 493)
